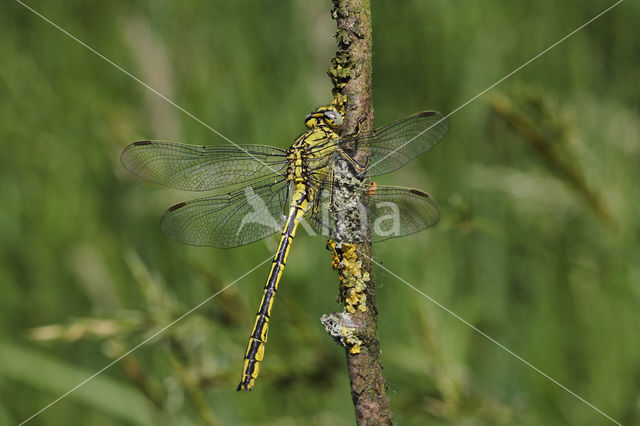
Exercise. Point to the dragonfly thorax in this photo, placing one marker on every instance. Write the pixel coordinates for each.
(304, 156)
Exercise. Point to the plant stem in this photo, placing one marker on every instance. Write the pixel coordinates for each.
(545, 147)
(356, 328)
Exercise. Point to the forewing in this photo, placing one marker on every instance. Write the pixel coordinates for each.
(398, 143)
(229, 220)
(201, 168)
(393, 146)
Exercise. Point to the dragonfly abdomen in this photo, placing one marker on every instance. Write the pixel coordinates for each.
(255, 350)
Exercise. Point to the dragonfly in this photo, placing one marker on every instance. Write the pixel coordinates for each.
(270, 189)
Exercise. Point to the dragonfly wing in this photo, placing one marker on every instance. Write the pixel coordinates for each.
(229, 220)
(201, 168)
(395, 145)
(395, 212)
(319, 218)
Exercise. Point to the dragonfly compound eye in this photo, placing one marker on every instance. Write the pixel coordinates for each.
(334, 118)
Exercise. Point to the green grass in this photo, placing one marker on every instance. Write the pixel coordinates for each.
(519, 253)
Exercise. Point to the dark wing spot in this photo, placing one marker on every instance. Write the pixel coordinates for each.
(426, 113)
(139, 143)
(419, 193)
(177, 206)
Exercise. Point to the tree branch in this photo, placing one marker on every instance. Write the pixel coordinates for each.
(356, 328)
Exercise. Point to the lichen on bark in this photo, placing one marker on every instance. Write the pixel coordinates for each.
(356, 327)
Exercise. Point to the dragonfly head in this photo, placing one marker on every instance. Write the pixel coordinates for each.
(326, 115)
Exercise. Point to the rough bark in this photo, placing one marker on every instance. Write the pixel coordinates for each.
(356, 328)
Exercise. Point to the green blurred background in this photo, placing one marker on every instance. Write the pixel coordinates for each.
(538, 246)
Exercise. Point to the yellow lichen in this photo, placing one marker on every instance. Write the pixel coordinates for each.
(351, 339)
(353, 280)
(353, 286)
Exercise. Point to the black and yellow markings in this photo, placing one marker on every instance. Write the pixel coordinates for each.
(307, 170)
(255, 350)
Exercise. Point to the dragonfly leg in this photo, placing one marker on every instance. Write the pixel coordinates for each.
(356, 166)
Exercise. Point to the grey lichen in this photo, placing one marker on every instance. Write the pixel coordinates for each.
(348, 207)
(342, 327)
